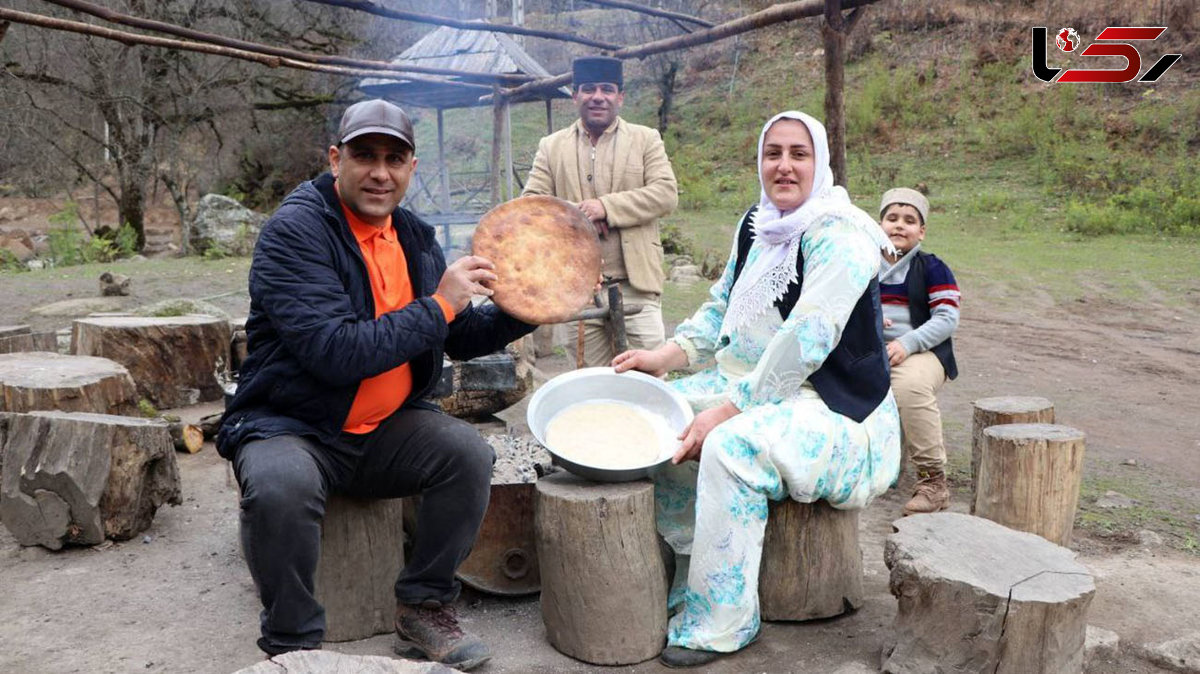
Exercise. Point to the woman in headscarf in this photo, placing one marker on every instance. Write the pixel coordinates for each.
(794, 400)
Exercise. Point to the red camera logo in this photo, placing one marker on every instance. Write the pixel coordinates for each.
(1068, 41)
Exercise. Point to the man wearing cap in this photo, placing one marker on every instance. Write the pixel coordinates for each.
(619, 176)
(351, 308)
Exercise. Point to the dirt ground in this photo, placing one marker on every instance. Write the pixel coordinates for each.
(179, 598)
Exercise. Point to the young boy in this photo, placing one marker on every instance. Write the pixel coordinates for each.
(920, 309)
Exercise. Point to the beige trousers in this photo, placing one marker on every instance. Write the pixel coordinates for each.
(643, 330)
(916, 382)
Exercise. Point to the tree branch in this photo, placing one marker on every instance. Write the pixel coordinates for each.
(269, 61)
(378, 9)
(660, 13)
(788, 11)
(294, 54)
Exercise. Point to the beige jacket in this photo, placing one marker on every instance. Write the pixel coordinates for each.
(644, 190)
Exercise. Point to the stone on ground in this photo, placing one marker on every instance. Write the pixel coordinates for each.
(1177, 655)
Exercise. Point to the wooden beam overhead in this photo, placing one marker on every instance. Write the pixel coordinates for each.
(660, 13)
(781, 13)
(379, 9)
(216, 50)
(327, 59)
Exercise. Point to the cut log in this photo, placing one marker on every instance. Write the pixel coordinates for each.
(174, 361)
(362, 552)
(977, 597)
(17, 338)
(488, 384)
(186, 437)
(329, 662)
(1029, 478)
(1003, 410)
(811, 564)
(41, 380)
(77, 478)
(604, 589)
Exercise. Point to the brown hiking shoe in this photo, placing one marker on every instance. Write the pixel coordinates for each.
(432, 631)
(930, 495)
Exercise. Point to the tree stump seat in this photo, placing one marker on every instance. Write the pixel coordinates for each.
(362, 553)
(1003, 410)
(812, 564)
(44, 380)
(1029, 478)
(78, 478)
(604, 588)
(15, 338)
(175, 361)
(977, 597)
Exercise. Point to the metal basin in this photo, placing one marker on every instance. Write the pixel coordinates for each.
(602, 383)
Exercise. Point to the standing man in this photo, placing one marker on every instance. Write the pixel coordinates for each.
(351, 308)
(619, 176)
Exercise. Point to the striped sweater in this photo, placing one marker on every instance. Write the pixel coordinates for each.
(944, 298)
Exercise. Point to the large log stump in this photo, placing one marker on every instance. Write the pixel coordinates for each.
(1029, 478)
(78, 478)
(976, 597)
(604, 589)
(485, 385)
(1003, 410)
(174, 361)
(362, 552)
(811, 564)
(41, 380)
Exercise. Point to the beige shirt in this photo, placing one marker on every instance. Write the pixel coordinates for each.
(595, 179)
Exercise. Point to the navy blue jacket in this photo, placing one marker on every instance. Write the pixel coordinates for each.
(312, 332)
(855, 377)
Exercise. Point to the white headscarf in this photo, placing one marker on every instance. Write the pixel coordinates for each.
(777, 235)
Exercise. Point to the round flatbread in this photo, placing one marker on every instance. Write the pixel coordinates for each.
(547, 257)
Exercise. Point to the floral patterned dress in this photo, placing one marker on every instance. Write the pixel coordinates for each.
(785, 443)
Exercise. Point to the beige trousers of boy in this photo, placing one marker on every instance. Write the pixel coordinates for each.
(643, 330)
(915, 382)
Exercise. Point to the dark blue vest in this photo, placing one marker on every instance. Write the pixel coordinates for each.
(918, 312)
(855, 378)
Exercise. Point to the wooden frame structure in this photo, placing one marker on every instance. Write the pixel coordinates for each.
(494, 88)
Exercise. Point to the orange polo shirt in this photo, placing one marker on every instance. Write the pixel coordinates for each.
(379, 396)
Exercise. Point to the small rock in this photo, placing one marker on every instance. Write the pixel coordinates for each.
(146, 539)
(1149, 539)
(1179, 655)
(855, 668)
(1100, 645)
(1129, 462)
(1112, 499)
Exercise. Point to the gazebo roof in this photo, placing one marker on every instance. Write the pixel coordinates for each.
(464, 50)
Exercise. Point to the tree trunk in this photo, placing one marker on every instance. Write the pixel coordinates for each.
(174, 361)
(77, 478)
(604, 588)
(811, 564)
(40, 380)
(1029, 478)
(362, 552)
(975, 597)
(833, 31)
(1003, 410)
(666, 87)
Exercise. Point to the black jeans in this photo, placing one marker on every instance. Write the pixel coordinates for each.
(285, 481)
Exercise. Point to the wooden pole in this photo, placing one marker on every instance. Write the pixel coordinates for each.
(497, 139)
(508, 152)
(270, 50)
(378, 9)
(835, 121)
(443, 172)
(549, 116)
(660, 13)
(781, 13)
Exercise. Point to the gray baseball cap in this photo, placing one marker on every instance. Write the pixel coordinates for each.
(376, 116)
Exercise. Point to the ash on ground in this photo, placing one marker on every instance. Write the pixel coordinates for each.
(518, 459)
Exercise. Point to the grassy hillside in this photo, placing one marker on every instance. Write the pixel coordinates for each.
(1069, 188)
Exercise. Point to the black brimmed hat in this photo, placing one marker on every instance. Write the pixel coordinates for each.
(596, 70)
